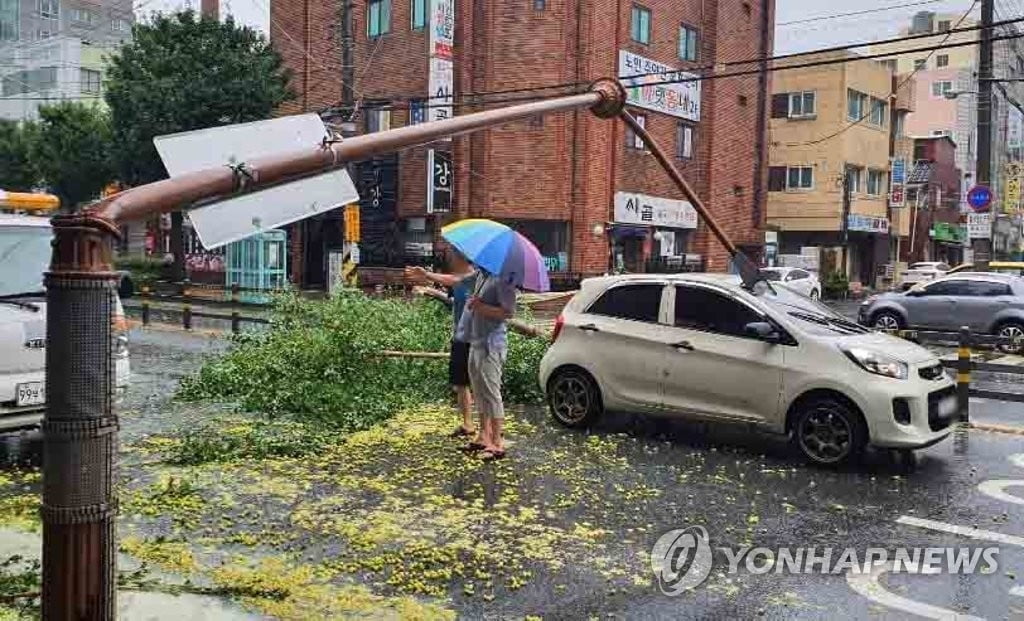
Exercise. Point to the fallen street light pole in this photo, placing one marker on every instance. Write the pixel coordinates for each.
(80, 427)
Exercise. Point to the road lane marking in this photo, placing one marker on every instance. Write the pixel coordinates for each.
(996, 489)
(869, 585)
(963, 531)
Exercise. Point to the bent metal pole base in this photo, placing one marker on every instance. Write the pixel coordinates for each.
(80, 426)
(746, 268)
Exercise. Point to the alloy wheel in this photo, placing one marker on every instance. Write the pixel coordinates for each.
(570, 399)
(825, 436)
(1015, 333)
(886, 321)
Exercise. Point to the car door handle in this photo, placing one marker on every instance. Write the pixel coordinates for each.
(682, 345)
(589, 328)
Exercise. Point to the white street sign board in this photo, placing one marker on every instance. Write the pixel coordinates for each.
(633, 208)
(240, 216)
(979, 225)
(681, 99)
(442, 28)
(247, 214)
(231, 144)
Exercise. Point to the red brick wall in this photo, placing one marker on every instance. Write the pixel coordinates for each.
(569, 168)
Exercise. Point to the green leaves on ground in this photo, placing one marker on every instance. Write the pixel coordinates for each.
(321, 361)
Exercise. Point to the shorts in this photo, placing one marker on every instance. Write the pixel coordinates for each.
(485, 368)
(458, 364)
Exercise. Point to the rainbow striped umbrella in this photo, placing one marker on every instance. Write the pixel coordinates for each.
(499, 250)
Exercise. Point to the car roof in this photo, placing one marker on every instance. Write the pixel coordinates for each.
(703, 277)
(14, 219)
(978, 276)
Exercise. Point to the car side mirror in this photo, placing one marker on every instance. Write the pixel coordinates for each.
(914, 293)
(762, 330)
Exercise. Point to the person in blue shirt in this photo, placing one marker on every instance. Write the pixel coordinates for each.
(460, 281)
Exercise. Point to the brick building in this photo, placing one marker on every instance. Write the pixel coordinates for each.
(557, 179)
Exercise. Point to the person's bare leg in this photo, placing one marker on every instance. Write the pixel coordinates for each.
(496, 440)
(465, 398)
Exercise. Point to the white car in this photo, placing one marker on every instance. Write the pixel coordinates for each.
(702, 346)
(918, 273)
(24, 257)
(799, 280)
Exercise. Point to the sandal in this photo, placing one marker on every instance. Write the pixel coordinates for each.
(493, 455)
(461, 432)
(472, 447)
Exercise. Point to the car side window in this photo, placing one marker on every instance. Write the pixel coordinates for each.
(698, 308)
(634, 302)
(949, 287)
(984, 288)
(942, 267)
(798, 275)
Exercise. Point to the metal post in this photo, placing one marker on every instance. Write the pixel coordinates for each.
(80, 426)
(145, 305)
(963, 374)
(983, 248)
(844, 226)
(235, 320)
(186, 309)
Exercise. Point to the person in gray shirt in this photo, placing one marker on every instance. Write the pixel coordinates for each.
(484, 326)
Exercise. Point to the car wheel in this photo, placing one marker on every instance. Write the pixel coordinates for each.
(887, 320)
(573, 398)
(1015, 332)
(829, 432)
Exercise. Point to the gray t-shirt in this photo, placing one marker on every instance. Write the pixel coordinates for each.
(478, 330)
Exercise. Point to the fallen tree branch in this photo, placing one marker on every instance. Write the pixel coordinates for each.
(519, 326)
(390, 353)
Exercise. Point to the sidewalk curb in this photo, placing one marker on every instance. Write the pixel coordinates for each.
(136, 324)
(1012, 430)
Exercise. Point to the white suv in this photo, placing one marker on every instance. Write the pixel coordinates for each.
(24, 258)
(701, 346)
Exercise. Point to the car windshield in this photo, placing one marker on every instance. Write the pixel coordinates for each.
(24, 257)
(813, 316)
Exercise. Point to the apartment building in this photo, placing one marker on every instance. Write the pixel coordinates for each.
(583, 189)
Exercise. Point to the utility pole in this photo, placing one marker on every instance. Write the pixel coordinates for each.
(983, 248)
(348, 69)
(844, 225)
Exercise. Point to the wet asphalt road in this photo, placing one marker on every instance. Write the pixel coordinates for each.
(719, 479)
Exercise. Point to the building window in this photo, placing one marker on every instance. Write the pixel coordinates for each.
(920, 64)
(83, 16)
(854, 177)
(940, 88)
(90, 81)
(378, 120)
(540, 5)
(684, 141)
(876, 182)
(856, 105)
(119, 25)
(419, 14)
(801, 104)
(417, 111)
(942, 60)
(800, 178)
(49, 9)
(687, 43)
(378, 18)
(878, 110)
(944, 25)
(640, 24)
(633, 140)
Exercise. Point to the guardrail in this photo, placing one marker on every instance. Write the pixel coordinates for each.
(187, 299)
(966, 341)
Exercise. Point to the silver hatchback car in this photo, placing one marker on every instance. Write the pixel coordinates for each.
(987, 303)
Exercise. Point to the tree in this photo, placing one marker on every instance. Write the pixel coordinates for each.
(18, 172)
(182, 72)
(72, 151)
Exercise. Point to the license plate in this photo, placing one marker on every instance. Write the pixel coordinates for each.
(947, 407)
(30, 393)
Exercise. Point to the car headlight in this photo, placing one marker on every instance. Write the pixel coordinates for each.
(874, 362)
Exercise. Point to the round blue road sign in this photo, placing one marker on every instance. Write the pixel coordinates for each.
(979, 198)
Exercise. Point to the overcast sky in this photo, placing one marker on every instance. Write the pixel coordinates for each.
(854, 29)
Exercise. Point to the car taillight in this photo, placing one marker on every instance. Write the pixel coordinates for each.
(558, 328)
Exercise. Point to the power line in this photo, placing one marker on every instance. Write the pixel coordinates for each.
(854, 13)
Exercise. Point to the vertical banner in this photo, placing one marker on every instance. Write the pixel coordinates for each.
(440, 84)
(897, 191)
(439, 181)
(1012, 189)
(442, 28)
(441, 73)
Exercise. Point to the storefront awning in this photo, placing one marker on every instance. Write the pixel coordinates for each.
(623, 231)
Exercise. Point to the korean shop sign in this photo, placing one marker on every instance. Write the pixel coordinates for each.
(680, 99)
(632, 208)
